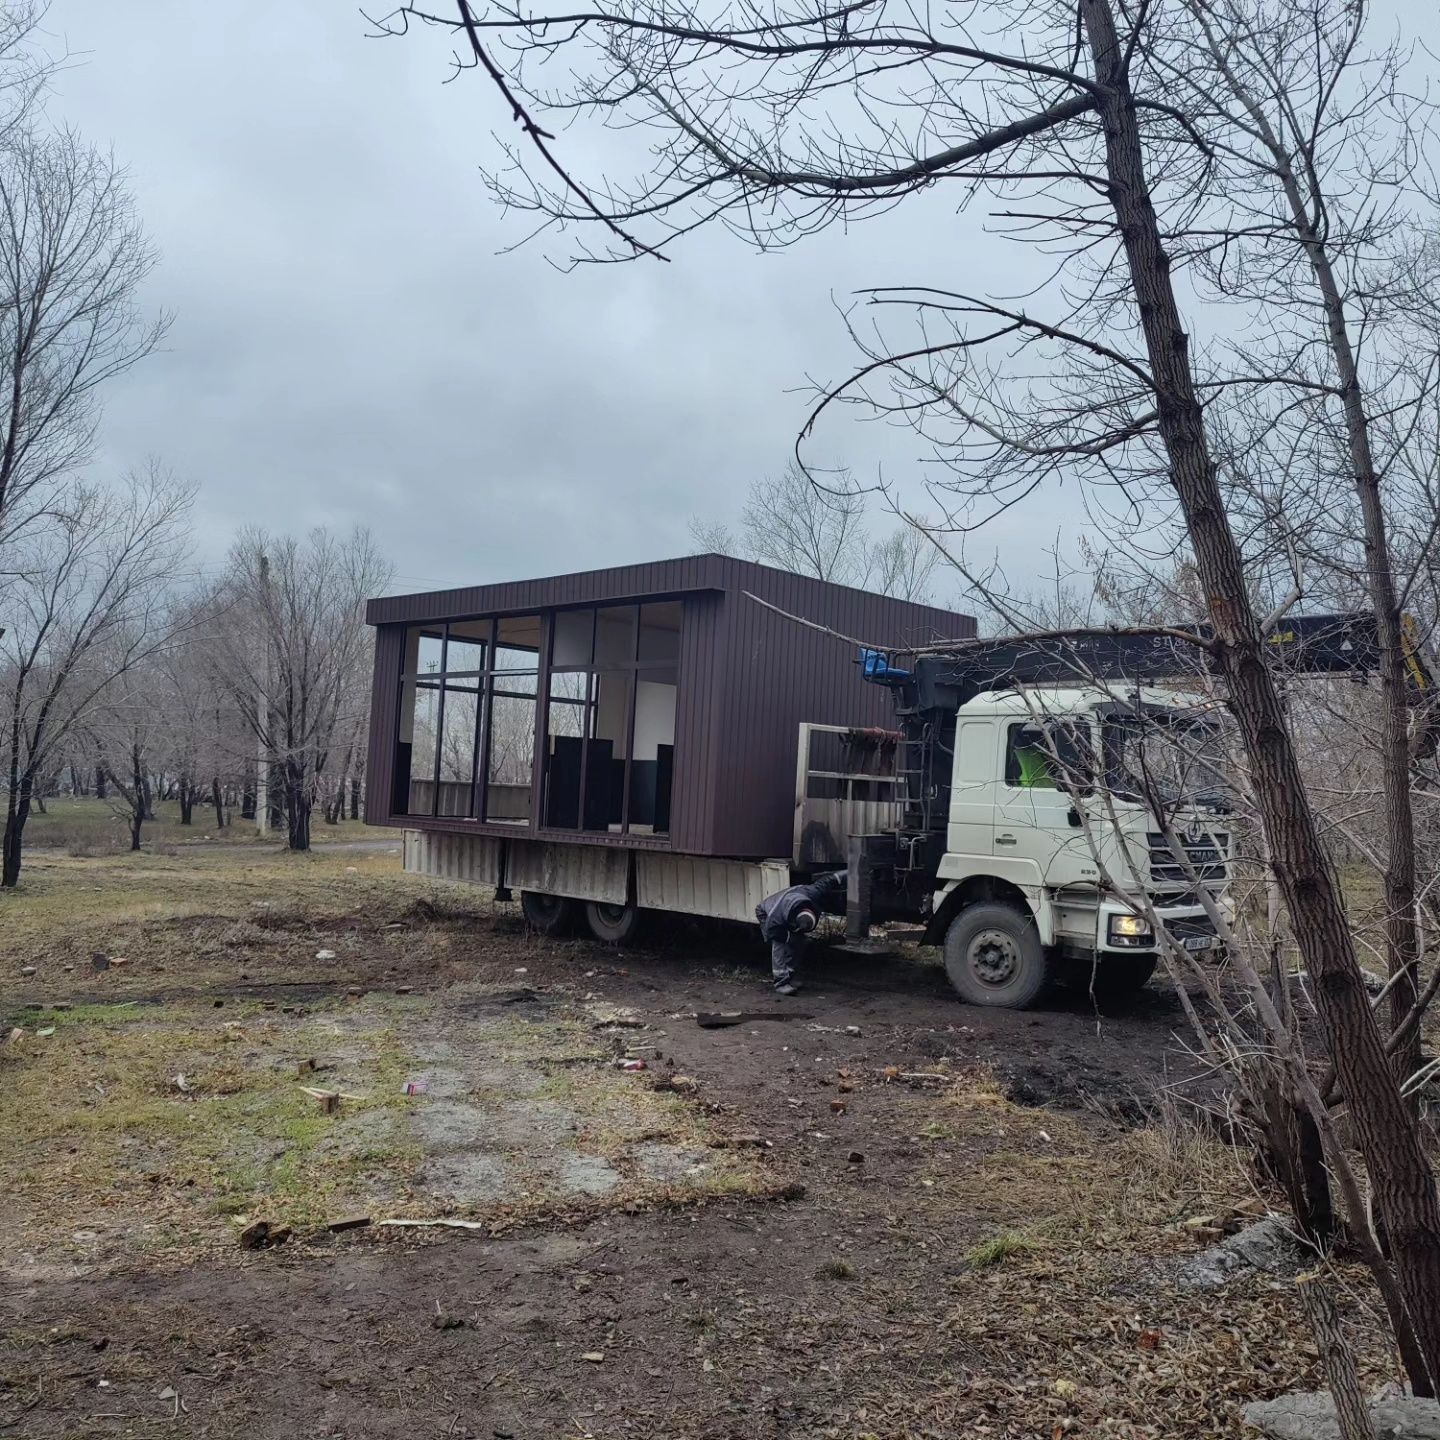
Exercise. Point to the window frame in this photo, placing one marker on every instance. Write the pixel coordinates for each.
(494, 682)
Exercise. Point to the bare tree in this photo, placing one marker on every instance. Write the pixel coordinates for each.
(292, 646)
(794, 523)
(72, 259)
(86, 606)
(788, 116)
(128, 727)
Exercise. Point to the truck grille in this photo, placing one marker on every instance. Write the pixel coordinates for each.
(1206, 856)
(1190, 928)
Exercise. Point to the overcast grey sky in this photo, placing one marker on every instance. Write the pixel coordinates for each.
(349, 345)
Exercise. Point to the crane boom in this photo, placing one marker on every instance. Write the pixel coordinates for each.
(1303, 645)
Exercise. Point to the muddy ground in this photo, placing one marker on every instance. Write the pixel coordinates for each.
(870, 1212)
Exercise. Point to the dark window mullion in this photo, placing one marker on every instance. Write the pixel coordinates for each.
(586, 729)
(439, 743)
(486, 709)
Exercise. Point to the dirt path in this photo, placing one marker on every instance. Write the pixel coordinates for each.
(855, 1307)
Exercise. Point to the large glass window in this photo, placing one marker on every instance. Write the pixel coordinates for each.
(610, 745)
(476, 698)
(467, 719)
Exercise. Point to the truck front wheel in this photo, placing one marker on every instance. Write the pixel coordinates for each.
(993, 956)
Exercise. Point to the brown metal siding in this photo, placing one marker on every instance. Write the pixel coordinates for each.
(747, 679)
(778, 673)
(624, 582)
(700, 661)
(384, 719)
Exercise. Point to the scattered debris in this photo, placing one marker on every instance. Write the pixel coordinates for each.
(262, 1235)
(305, 1067)
(443, 1224)
(839, 1107)
(416, 1087)
(441, 1321)
(348, 1222)
(327, 1100)
(681, 1084)
(1266, 1246)
(631, 1065)
(324, 954)
(16, 1035)
(852, 1029)
(611, 1016)
(856, 1157)
(48, 1030)
(595, 1357)
(100, 961)
(27, 969)
(181, 1084)
(402, 989)
(1310, 1415)
(719, 1019)
(118, 960)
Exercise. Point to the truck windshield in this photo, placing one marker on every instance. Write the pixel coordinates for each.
(1171, 756)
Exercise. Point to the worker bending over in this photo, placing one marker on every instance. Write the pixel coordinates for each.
(786, 920)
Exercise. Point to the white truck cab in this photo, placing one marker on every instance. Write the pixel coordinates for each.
(1039, 865)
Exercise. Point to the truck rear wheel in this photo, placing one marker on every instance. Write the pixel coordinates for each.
(613, 924)
(993, 956)
(549, 914)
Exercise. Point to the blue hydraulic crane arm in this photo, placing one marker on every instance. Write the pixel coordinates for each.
(1302, 644)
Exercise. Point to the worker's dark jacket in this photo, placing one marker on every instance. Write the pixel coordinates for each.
(775, 912)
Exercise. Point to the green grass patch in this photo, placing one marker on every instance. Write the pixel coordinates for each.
(1001, 1247)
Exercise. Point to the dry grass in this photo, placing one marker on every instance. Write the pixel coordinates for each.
(92, 829)
(224, 986)
(1064, 1318)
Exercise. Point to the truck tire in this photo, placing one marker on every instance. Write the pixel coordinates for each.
(613, 924)
(993, 956)
(548, 914)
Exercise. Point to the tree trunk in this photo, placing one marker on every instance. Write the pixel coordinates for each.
(140, 805)
(187, 800)
(297, 805)
(1404, 1185)
(218, 801)
(1351, 1409)
(247, 795)
(17, 812)
(77, 782)
(355, 780)
(101, 791)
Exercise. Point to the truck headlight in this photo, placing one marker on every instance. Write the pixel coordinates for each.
(1130, 930)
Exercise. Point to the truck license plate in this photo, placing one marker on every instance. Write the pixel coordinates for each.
(1199, 942)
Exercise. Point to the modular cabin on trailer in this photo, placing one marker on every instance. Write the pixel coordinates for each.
(631, 737)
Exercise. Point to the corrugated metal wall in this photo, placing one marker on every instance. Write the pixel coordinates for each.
(384, 719)
(778, 674)
(748, 677)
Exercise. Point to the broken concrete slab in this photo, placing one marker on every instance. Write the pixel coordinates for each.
(1310, 1415)
(586, 1174)
(1267, 1246)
